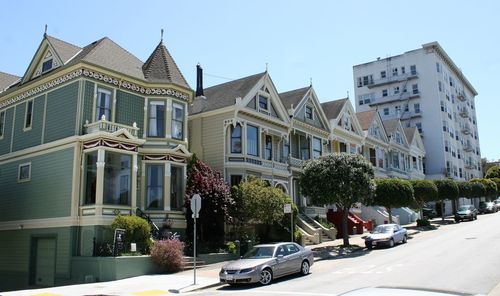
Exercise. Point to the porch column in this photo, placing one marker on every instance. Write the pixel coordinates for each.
(99, 181)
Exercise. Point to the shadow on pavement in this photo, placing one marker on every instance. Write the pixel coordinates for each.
(339, 252)
(241, 287)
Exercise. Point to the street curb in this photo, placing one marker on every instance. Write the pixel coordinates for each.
(180, 291)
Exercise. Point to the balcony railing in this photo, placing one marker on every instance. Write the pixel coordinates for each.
(107, 126)
(410, 114)
(464, 113)
(466, 130)
(398, 97)
(392, 79)
(467, 148)
(270, 164)
(461, 96)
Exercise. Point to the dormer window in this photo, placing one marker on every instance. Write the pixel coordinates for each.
(309, 112)
(263, 103)
(47, 65)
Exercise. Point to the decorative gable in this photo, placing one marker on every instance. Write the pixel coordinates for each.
(377, 130)
(348, 120)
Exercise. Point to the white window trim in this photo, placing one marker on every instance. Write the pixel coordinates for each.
(148, 117)
(178, 105)
(26, 115)
(19, 180)
(103, 89)
(312, 112)
(264, 95)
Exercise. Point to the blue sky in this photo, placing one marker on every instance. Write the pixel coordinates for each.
(299, 40)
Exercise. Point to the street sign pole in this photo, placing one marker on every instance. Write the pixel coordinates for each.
(195, 208)
(194, 240)
(288, 209)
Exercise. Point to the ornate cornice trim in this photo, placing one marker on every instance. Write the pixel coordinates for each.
(97, 76)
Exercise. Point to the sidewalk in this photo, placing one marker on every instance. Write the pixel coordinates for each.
(182, 282)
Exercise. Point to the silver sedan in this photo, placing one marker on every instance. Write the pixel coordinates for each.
(265, 262)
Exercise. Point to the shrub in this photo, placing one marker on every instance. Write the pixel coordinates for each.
(137, 230)
(423, 222)
(493, 172)
(231, 247)
(298, 236)
(168, 254)
(324, 222)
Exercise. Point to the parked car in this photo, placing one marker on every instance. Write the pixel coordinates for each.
(497, 203)
(263, 263)
(468, 212)
(487, 207)
(428, 212)
(386, 235)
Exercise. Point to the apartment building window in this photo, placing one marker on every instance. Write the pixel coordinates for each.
(440, 86)
(438, 67)
(103, 104)
(451, 81)
(460, 173)
(28, 118)
(397, 110)
(177, 121)
(309, 112)
(407, 108)
(317, 147)
(90, 177)
(414, 88)
(236, 139)
(413, 70)
(24, 173)
(416, 107)
(360, 82)
(403, 70)
(386, 111)
(117, 178)
(459, 155)
(384, 92)
(268, 148)
(305, 152)
(394, 71)
(155, 185)
(367, 80)
(2, 123)
(445, 126)
(176, 188)
(396, 90)
(383, 74)
(252, 140)
(443, 106)
(156, 126)
(419, 126)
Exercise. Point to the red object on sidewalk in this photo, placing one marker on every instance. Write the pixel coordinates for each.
(354, 223)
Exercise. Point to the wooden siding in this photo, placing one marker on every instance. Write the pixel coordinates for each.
(5, 142)
(129, 109)
(61, 112)
(31, 137)
(88, 101)
(46, 195)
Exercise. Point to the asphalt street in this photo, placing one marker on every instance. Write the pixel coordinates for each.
(463, 257)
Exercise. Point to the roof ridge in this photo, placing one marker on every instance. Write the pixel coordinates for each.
(60, 40)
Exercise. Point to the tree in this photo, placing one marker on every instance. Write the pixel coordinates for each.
(493, 172)
(258, 203)
(216, 203)
(477, 189)
(497, 182)
(490, 187)
(464, 189)
(424, 191)
(393, 193)
(341, 179)
(447, 189)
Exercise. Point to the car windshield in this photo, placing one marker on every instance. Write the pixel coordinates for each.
(259, 253)
(383, 229)
(463, 208)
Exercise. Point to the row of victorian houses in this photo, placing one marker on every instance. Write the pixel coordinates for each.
(91, 132)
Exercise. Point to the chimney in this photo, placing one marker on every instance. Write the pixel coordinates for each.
(199, 80)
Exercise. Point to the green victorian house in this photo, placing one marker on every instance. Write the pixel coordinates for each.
(86, 133)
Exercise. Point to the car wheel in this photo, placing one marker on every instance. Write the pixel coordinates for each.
(266, 276)
(369, 247)
(475, 217)
(304, 268)
(405, 239)
(391, 243)
(457, 220)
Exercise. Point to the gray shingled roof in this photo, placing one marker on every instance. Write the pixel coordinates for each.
(366, 118)
(332, 109)
(223, 95)
(390, 125)
(161, 67)
(63, 49)
(410, 133)
(293, 97)
(7, 80)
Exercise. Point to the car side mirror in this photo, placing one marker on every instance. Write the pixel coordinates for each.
(395, 230)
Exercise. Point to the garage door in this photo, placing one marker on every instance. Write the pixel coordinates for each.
(45, 261)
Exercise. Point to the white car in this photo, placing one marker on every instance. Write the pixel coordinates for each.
(386, 235)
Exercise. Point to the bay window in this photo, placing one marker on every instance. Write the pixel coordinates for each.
(317, 147)
(236, 139)
(177, 121)
(90, 177)
(176, 188)
(117, 178)
(154, 186)
(252, 140)
(156, 126)
(268, 149)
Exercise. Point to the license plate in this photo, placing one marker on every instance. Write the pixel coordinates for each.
(229, 277)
